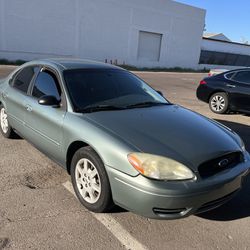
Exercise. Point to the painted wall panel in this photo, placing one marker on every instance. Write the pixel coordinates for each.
(100, 29)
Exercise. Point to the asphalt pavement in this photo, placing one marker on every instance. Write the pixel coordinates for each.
(39, 211)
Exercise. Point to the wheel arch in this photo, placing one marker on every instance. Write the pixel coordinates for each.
(2, 102)
(217, 91)
(73, 147)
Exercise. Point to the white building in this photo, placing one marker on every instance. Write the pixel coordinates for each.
(216, 36)
(220, 52)
(144, 33)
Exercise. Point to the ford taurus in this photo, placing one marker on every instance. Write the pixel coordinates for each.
(120, 140)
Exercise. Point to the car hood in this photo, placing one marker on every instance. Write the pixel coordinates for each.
(170, 131)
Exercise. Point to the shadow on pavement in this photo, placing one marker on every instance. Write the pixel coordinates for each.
(239, 206)
(117, 210)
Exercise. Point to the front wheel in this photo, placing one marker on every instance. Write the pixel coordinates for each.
(90, 181)
(218, 103)
(5, 127)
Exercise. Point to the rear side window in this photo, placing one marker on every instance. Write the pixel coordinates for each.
(242, 76)
(24, 77)
(46, 84)
(229, 75)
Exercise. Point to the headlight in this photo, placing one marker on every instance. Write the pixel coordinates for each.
(158, 167)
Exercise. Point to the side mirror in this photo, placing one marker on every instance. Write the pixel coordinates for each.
(159, 92)
(49, 100)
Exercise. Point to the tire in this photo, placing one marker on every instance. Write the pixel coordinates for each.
(90, 181)
(218, 103)
(5, 128)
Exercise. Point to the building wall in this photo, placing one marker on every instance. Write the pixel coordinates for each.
(228, 47)
(100, 29)
(241, 52)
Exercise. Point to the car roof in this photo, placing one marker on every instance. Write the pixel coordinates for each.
(239, 69)
(71, 63)
(222, 74)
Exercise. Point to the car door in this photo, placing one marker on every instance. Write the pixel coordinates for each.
(240, 90)
(15, 96)
(46, 122)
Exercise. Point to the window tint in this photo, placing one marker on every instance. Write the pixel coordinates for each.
(23, 78)
(107, 87)
(229, 75)
(242, 60)
(223, 58)
(46, 84)
(242, 76)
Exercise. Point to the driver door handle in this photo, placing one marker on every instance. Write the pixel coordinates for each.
(28, 108)
(231, 86)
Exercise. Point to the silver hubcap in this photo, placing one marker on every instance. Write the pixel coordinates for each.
(4, 121)
(218, 103)
(88, 180)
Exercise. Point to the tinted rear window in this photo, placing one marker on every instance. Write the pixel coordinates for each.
(242, 76)
(229, 75)
(24, 77)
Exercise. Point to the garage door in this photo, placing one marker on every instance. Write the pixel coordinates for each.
(149, 47)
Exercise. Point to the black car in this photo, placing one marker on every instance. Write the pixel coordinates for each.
(228, 91)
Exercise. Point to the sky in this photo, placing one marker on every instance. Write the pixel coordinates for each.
(230, 17)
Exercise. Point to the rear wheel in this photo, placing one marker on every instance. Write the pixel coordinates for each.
(90, 181)
(5, 127)
(218, 103)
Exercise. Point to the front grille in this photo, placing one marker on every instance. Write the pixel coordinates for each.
(219, 164)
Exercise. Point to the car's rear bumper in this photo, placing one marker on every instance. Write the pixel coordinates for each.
(203, 93)
(173, 200)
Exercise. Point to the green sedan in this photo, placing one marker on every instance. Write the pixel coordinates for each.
(120, 140)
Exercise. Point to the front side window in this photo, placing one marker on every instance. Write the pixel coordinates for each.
(24, 77)
(46, 84)
(242, 76)
(108, 87)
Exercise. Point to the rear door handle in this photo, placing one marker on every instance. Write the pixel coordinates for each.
(5, 95)
(231, 86)
(28, 108)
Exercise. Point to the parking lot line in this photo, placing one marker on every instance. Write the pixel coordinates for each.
(188, 79)
(121, 234)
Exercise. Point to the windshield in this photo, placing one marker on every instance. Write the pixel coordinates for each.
(113, 88)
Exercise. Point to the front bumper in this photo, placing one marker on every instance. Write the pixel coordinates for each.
(173, 200)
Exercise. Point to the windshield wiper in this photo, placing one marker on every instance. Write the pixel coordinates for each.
(97, 108)
(147, 104)
(91, 109)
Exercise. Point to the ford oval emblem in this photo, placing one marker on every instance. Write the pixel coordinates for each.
(223, 163)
